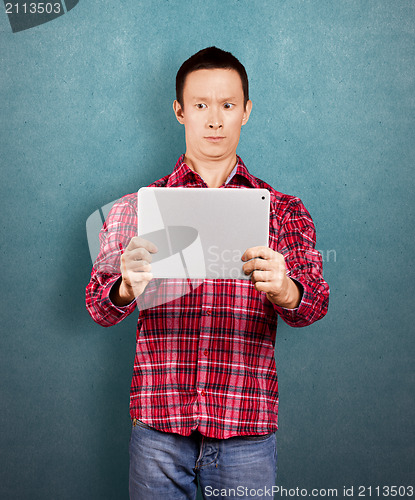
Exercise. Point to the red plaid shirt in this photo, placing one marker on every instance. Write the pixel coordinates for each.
(205, 359)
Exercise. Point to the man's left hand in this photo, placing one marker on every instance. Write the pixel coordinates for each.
(269, 274)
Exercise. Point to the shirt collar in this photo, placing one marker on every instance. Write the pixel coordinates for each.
(183, 175)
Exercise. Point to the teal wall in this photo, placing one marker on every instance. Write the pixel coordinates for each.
(85, 103)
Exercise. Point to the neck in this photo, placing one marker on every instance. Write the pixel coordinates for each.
(213, 172)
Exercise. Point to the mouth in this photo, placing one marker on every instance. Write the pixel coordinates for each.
(215, 138)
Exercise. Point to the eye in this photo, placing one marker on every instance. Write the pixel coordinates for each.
(228, 105)
(200, 105)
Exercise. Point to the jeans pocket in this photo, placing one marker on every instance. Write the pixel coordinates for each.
(136, 422)
(257, 437)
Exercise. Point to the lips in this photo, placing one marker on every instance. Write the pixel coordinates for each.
(214, 138)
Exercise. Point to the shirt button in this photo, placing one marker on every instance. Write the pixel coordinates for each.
(208, 312)
(205, 352)
(203, 393)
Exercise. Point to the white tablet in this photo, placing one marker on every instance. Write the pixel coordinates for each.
(202, 232)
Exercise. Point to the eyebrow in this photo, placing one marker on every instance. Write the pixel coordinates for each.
(197, 98)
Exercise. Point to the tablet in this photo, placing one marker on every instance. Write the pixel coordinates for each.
(202, 232)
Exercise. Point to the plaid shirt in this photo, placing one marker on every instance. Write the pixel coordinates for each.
(205, 359)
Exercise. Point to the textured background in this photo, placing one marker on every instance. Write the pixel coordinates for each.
(86, 117)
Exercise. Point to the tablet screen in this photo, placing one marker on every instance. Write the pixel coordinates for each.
(202, 232)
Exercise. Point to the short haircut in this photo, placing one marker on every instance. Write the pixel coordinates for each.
(210, 58)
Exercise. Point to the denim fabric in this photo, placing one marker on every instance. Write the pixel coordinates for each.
(170, 466)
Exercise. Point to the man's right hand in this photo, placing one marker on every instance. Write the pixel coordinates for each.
(135, 271)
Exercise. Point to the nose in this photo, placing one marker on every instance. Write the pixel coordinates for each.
(215, 120)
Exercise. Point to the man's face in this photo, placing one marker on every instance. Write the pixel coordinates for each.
(213, 113)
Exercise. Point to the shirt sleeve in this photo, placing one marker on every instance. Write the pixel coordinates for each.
(296, 241)
(116, 233)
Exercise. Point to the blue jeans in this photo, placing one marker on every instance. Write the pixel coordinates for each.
(170, 466)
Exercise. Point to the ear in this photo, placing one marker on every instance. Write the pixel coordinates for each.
(178, 111)
(247, 112)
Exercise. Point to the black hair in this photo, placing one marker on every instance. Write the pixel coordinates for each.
(210, 58)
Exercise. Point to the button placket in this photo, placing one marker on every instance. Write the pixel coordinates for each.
(204, 342)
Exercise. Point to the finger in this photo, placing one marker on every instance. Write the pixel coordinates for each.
(139, 267)
(138, 242)
(259, 251)
(261, 276)
(131, 265)
(260, 264)
(138, 254)
(135, 279)
(263, 286)
(138, 278)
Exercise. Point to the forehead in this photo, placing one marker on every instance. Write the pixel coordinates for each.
(204, 82)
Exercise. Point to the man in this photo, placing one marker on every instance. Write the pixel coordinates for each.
(204, 394)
